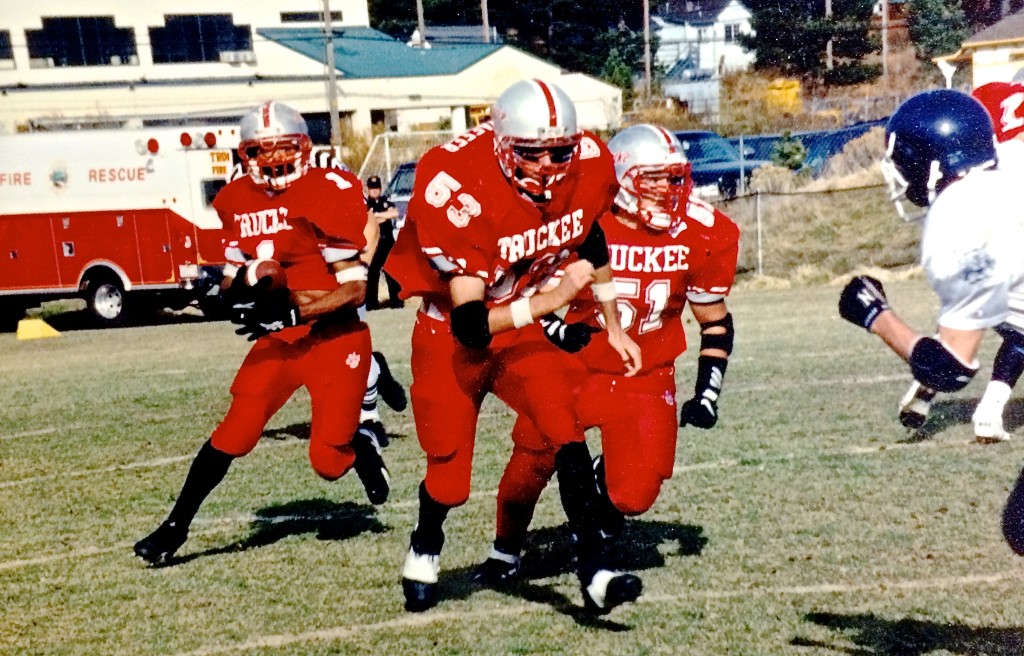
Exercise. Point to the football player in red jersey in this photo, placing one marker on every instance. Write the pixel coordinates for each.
(667, 249)
(312, 222)
(494, 214)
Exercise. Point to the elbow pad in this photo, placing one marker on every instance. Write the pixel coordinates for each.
(937, 367)
(721, 341)
(470, 326)
(594, 248)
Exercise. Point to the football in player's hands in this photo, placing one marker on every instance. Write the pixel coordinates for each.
(862, 301)
(272, 270)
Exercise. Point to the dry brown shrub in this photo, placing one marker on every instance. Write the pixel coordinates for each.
(772, 178)
(858, 155)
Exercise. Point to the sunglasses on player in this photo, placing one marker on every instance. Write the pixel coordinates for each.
(534, 154)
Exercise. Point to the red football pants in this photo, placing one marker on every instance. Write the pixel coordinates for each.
(449, 383)
(332, 363)
(637, 419)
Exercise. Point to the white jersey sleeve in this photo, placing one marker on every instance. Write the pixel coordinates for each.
(971, 251)
(1011, 155)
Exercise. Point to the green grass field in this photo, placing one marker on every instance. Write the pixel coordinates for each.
(806, 522)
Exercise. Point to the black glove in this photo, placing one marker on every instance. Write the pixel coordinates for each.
(702, 410)
(570, 337)
(240, 299)
(862, 300)
(264, 314)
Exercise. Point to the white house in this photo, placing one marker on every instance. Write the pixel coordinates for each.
(994, 54)
(704, 34)
(110, 62)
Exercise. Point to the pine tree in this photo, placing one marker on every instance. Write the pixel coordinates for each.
(791, 37)
(937, 27)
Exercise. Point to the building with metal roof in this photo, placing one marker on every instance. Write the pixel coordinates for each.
(994, 54)
(108, 62)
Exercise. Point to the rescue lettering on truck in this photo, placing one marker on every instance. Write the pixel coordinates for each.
(121, 218)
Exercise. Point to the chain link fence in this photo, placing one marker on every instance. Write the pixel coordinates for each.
(820, 233)
(391, 149)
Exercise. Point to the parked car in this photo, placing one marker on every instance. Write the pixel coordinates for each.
(399, 189)
(717, 166)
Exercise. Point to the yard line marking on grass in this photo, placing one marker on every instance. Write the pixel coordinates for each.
(410, 621)
(128, 466)
(872, 380)
(31, 433)
(68, 555)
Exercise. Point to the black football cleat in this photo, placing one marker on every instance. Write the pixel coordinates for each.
(378, 431)
(607, 589)
(419, 580)
(389, 389)
(370, 467)
(498, 570)
(159, 546)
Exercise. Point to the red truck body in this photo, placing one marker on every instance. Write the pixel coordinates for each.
(121, 218)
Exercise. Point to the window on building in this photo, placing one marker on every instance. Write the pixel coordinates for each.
(732, 32)
(198, 38)
(6, 51)
(307, 16)
(81, 41)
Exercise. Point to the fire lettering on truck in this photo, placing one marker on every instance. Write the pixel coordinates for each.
(219, 162)
(16, 179)
(118, 174)
(264, 222)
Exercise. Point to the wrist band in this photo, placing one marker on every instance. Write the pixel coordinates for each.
(604, 291)
(521, 314)
(351, 274)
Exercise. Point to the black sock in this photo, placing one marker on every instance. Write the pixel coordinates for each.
(207, 471)
(612, 519)
(578, 492)
(429, 534)
(511, 546)
(1009, 362)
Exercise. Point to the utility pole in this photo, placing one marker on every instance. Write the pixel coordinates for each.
(332, 81)
(647, 51)
(421, 24)
(828, 46)
(483, 19)
(885, 42)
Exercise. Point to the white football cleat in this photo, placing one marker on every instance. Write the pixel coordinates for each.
(915, 405)
(419, 580)
(607, 589)
(988, 427)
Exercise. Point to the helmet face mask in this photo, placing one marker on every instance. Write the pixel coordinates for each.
(536, 139)
(275, 145)
(653, 174)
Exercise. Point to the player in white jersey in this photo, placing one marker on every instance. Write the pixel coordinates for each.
(1004, 103)
(940, 155)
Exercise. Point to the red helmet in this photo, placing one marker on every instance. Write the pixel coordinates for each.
(1002, 101)
(275, 145)
(651, 167)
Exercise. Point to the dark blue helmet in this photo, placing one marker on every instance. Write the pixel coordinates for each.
(932, 139)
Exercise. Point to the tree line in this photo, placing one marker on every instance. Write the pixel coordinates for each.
(604, 38)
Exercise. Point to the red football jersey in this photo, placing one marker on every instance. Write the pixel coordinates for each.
(465, 218)
(655, 273)
(321, 212)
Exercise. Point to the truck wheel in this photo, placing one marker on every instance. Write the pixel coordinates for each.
(10, 315)
(106, 301)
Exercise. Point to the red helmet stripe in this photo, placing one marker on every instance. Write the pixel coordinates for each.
(667, 137)
(552, 108)
(266, 114)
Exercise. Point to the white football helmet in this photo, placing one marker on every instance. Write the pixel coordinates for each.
(535, 136)
(650, 166)
(275, 145)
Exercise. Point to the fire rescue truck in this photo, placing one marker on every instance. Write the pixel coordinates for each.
(120, 218)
